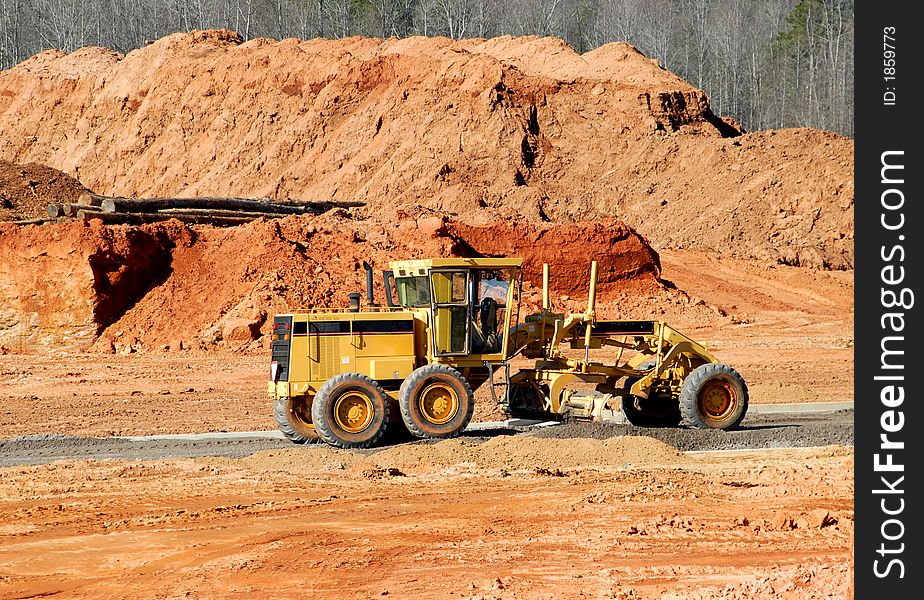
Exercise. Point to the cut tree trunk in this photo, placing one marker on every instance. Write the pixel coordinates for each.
(204, 212)
(141, 218)
(114, 204)
(153, 204)
(70, 210)
(90, 199)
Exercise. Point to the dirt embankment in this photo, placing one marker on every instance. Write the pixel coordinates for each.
(166, 284)
(512, 125)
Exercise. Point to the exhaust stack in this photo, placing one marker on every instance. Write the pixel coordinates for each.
(370, 297)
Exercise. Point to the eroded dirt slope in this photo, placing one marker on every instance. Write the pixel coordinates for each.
(522, 125)
(63, 285)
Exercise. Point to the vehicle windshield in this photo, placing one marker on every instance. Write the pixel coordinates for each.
(493, 284)
(413, 291)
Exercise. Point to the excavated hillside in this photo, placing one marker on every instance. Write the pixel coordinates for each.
(519, 126)
(144, 287)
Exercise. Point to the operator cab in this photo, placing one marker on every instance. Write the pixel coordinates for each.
(469, 301)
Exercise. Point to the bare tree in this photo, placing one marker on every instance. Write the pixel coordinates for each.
(453, 17)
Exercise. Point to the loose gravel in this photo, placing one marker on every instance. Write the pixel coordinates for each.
(757, 431)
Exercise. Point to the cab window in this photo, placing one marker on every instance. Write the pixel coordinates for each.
(413, 291)
(449, 287)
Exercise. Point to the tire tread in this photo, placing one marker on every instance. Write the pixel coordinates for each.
(690, 390)
(404, 399)
(321, 424)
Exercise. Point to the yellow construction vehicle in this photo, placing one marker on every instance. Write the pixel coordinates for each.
(450, 325)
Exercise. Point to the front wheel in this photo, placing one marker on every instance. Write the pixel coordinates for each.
(714, 396)
(436, 402)
(350, 411)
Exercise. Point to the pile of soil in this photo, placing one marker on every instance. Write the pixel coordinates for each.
(166, 284)
(516, 453)
(516, 125)
(506, 452)
(27, 190)
(60, 283)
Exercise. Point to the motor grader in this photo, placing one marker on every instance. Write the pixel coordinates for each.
(453, 325)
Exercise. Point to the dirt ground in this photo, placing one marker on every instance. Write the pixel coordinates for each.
(517, 125)
(754, 525)
(510, 517)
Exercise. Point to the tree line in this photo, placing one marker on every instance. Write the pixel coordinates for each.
(765, 63)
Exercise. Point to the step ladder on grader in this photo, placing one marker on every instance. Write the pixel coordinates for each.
(449, 326)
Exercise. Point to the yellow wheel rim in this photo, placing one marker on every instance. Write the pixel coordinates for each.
(717, 400)
(353, 412)
(439, 403)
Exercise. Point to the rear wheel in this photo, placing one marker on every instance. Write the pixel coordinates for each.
(714, 396)
(350, 411)
(657, 410)
(293, 417)
(436, 402)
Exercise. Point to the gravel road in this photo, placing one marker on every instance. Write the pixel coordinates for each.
(758, 431)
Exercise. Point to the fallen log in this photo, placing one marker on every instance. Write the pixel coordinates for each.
(142, 218)
(70, 210)
(90, 199)
(208, 212)
(148, 205)
(116, 204)
(29, 222)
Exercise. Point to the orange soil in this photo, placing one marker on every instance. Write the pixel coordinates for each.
(508, 125)
(755, 526)
(510, 145)
(167, 284)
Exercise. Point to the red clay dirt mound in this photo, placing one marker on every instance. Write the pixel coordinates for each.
(27, 190)
(143, 287)
(568, 249)
(522, 125)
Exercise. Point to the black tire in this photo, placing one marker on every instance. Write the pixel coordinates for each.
(714, 396)
(293, 419)
(350, 411)
(654, 411)
(436, 402)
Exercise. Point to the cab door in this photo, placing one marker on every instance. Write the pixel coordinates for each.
(451, 309)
